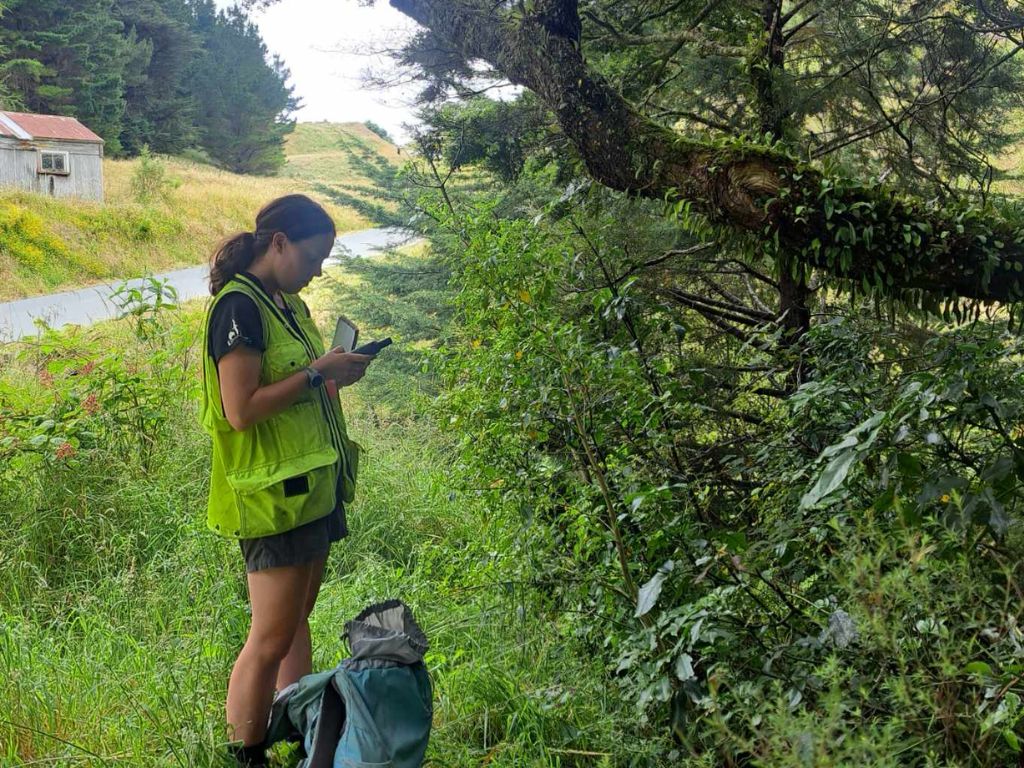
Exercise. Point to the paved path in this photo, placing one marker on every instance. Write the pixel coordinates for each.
(87, 305)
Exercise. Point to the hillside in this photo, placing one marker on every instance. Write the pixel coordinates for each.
(347, 163)
(48, 244)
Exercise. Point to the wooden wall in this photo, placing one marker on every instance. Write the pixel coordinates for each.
(19, 161)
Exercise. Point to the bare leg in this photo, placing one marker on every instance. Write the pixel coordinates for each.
(278, 598)
(299, 660)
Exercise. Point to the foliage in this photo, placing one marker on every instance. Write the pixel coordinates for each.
(149, 72)
(160, 100)
(150, 181)
(495, 135)
(763, 81)
(244, 118)
(80, 58)
(377, 129)
(828, 572)
(107, 401)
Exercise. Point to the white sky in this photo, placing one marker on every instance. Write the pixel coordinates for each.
(327, 45)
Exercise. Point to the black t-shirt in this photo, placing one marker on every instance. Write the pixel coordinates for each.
(236, 321)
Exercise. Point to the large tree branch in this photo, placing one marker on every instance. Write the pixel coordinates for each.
(865, 234)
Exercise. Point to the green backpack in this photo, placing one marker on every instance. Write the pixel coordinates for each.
(374, 709)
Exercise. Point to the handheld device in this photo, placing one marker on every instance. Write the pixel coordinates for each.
(373, 347)
(345, 334)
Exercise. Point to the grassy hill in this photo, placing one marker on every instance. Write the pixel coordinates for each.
(346, 163)
(48, 244)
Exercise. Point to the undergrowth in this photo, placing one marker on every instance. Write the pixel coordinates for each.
(120, 614)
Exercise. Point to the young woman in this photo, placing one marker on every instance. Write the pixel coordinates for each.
(282, 463)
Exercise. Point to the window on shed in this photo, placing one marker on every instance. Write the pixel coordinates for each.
(53, 162)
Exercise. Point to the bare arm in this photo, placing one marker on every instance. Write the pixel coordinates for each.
(246, 402)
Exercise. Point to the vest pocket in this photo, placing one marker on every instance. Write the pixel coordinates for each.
(278, 497)
(350, 468)
(287, 358)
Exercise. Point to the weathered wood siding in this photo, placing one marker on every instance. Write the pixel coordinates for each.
(19, 167)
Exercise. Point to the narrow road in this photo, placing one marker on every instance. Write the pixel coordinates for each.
(87, 305)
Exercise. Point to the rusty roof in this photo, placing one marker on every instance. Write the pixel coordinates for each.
(49, 127)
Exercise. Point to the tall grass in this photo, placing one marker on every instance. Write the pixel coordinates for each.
(120, 614)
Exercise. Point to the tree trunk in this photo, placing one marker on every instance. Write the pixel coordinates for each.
(774, 118)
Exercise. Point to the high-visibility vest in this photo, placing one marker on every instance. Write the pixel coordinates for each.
(282, 472)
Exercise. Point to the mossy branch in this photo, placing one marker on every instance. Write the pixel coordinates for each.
(887, 244)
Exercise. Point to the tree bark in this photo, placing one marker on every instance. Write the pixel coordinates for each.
(866, 234)
(795, 317)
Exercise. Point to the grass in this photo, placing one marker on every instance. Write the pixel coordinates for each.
(351, 166)
(47, 244)
(120, 614)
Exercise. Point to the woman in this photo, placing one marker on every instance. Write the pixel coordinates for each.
(282, 463)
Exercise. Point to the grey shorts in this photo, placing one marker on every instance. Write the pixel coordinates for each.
(304, 544)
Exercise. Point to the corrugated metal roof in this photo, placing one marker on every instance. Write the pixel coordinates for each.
(50, 127)
(13, 128)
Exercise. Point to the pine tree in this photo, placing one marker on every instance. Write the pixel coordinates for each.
(9, 97)
(71, 58)
(160, 105)
(245, 101)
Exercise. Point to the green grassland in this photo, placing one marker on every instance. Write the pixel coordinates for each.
(47, 244)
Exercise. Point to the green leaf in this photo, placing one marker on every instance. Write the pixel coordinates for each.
(684, 667)
(650, 591)
(1011, 738)
(978, 668)
(830, 479)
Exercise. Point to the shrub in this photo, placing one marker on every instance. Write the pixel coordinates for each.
(827, 578)
(378, 130)
(150, 181)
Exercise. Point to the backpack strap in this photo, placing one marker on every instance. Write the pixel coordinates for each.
(322, 743)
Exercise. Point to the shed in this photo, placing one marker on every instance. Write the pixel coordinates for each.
(50, 154)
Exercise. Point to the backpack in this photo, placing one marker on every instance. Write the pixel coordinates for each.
(373, 709)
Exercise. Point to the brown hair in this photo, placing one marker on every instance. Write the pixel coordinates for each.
(297, 216)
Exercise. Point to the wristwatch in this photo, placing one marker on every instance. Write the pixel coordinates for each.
(314, 378)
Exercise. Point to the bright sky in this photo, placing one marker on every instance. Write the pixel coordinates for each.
(328, 45)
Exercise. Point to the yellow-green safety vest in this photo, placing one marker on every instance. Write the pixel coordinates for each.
(283, 472)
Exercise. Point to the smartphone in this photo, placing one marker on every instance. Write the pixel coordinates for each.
(373, 347)
(345, 335)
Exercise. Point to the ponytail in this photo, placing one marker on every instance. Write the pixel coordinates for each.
(233, 255)
(297, 216)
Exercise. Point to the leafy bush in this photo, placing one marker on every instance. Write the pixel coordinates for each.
(378, 130)
(150, 181)
(819, 577)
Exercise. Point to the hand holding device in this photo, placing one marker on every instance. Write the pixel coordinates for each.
(342, 367)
